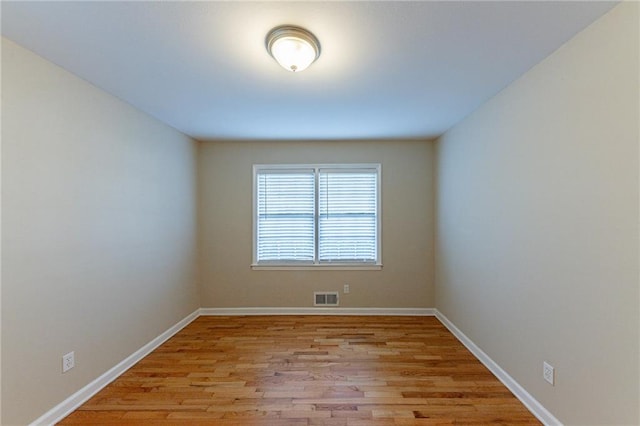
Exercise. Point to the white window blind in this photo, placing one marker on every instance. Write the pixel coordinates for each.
(316, 215)
(286, 216)
(347, 204)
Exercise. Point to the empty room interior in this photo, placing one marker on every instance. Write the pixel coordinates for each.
(435, 222)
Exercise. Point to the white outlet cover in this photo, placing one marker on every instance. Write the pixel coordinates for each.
(548, 373)
(68, 361)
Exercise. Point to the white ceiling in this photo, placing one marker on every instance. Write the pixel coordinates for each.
(387, 69)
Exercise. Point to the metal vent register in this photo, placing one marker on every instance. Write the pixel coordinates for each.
(325, 298)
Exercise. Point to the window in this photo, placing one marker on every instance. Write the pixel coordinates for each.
(317, 216)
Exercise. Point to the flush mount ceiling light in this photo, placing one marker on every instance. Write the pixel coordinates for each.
(293, 47)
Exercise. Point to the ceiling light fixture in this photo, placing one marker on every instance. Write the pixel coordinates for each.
(293, 47)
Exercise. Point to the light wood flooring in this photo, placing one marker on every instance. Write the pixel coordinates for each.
(307, 370)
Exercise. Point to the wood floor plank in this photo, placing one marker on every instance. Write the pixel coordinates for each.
(307, 370)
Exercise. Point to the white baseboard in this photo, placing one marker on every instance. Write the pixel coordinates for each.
(525, 397)
(67, 406)
(318, 311)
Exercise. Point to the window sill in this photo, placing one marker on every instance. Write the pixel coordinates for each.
(368, 267)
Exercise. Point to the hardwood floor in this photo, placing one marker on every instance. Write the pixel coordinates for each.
(307, 370)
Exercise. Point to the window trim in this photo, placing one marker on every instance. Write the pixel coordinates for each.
(317, 265)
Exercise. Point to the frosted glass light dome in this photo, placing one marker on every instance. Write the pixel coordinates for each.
(293, 47)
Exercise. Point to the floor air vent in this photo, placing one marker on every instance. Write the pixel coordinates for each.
(324, 298)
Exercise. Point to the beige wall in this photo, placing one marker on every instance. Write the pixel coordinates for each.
(225, 189)
(537, 195)
(538, 225)
(98, 232)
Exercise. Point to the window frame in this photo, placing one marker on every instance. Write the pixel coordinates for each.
(316, 264)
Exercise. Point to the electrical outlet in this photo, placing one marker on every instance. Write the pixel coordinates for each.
(548, 373)
(68, 361)
(346, 289)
